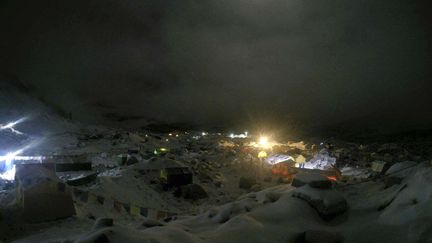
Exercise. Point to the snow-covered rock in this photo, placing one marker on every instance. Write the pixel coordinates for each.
(314, 180)
(328, 203)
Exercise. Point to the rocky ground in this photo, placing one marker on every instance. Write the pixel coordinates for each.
(233, 196)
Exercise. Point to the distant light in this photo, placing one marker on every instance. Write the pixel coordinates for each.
(242, 135)
(167, 139)
(204, 133)
(161, 151)
(177, 135)
(170, 134)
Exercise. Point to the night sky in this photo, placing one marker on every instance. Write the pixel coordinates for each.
(222, 62)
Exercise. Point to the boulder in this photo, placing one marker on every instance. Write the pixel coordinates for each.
(256, 188)
(246, 182)
(391, 181)
(192, 191)
(314, 180)
(149, 223)
(82, 179)
(328, 203)
(218, 184)
(100, 236)
(319, 236)
(401, 169)
(103, 223)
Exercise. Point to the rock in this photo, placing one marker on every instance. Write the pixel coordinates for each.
(391, 181)
(328, 203)
(205, 178)
(99, 236)
(315, 180)
(103, 222)
(389, 148)
(378, 166)
(117, 136)
(272, 197)
(246, 182)
(401, 169)
(82, 180)
(149, 223)
(319, 236)
(131, 160)
(126, 159)
(192, 191)
(256, 188)
(217, 183)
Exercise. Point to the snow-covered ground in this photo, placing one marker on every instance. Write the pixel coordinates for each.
(399, 213)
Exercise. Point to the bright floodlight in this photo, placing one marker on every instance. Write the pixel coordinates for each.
(9, 164)
(263, 141)
(9, 167)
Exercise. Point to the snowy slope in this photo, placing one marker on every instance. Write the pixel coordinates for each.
(38, 123)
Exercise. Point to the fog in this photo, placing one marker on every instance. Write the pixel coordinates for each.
(225, 62)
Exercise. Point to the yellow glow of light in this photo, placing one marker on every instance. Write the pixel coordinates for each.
(262, 154)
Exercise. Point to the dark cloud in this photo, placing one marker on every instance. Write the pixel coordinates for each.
(215, 62)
